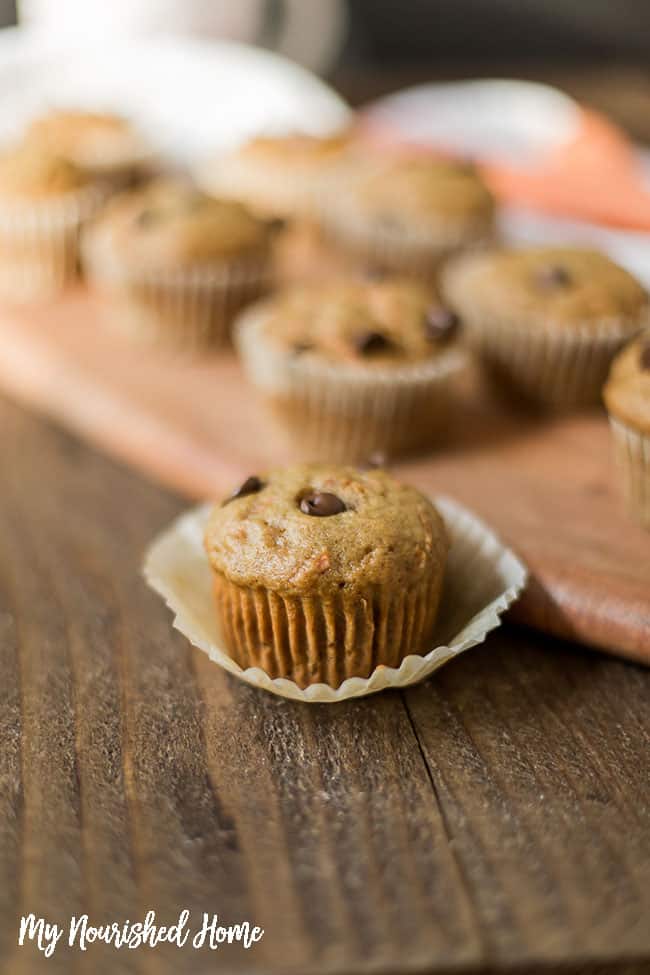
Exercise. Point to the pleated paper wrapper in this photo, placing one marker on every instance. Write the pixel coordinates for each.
(483, 579)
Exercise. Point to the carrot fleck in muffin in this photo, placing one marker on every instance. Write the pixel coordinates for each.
(323, 573)
(355, 367)
(277, 176)
(44, 201)
(627, 398)
(546, 320)
(408, 215)
(178, 263)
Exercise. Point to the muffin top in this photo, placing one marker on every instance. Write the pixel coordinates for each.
(29, 172)
(314, 529)
(294, 149)
(627, 391)
(171, 224)
(423, 190)
(88, 139)
(556, 286)
(371, 323)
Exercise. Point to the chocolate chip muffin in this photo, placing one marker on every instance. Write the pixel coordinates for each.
(546, 320)
(408, 215)
(353, 367)
(627, 398)
(177, 263)
(102, 144)
(277, 176)
(323, 573)
(44, 201)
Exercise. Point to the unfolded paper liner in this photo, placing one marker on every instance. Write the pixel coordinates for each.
(184, 310)
(40, 241)
(633, 458)
(346, 413)
(483, 578)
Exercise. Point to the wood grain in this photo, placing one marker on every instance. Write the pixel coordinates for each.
(494, 819)
(198, 427)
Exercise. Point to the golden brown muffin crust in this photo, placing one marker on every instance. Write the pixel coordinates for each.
(627, 391)
(86, 138)
(425, 189)
(29, 172)
(358, 322)
(387, 534)
(169, 225)
(554, 286)
(294, 149)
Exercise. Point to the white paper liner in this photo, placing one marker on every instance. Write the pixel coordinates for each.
(188, 308)
(633, 459)
(483, 579)
(39, 241)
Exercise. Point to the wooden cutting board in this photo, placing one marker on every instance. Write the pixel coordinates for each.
(547, 485)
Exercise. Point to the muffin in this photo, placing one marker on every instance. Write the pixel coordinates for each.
(104, 145)
(44, 201)
(627, 398)
(277, 176)
(353, 367)
(546, 320)
(408, 215)
(323, 573)
(178, 264)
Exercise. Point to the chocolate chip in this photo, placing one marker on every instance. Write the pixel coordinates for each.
(644, 355)
(322, 504)
(250, 486)
(374, 272)
(277, 224)
(440, 323)
(299, 348)
(553, 276)
(370, 343)
(147, 218)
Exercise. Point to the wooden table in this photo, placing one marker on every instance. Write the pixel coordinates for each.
(494, 820)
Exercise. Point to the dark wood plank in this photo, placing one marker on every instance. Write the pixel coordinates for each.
(497, 815)
(540, 757)
(323, 819)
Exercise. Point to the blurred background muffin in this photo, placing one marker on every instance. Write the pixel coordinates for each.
(277, 176)
(353, 368)
(408, 215)
(104, 145)
(547, 321)
(178, 264)
(44, 202)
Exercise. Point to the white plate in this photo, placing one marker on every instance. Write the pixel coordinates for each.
(188, 96)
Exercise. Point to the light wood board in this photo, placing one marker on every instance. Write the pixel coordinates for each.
(547, 485)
